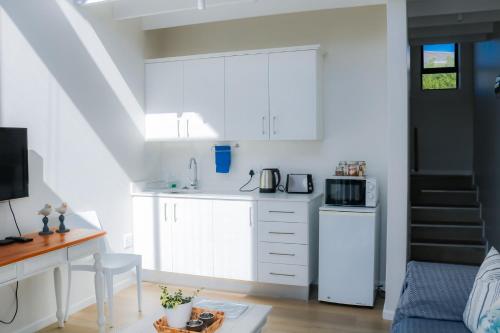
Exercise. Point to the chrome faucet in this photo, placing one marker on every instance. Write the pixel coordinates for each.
(193, 165)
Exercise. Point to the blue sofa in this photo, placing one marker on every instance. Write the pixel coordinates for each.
(434, 298)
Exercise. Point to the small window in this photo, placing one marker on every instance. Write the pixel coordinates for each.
(439, 66)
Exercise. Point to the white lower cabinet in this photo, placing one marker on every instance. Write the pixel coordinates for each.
(248, 240)
(235, 236)
(191, 236)
(147, 214)
(288, 242)
(216, 238)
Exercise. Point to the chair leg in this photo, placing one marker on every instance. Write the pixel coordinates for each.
(109, 288)
(138, 274)
(68, 294)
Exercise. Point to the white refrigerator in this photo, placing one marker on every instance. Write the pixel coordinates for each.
(348, 254)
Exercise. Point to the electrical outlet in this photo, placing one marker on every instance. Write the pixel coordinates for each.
(128, 241)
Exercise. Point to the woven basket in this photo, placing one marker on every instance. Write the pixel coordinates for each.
(161, 324)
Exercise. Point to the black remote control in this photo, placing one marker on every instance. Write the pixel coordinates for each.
(6, 242)
(19, 239)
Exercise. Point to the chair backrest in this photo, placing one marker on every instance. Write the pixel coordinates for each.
(86, 220)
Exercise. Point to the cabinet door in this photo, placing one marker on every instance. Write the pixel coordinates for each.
(192, 240)
(145, 228)
(164, 100)
(203, 115)
(165, 221)
(293, 91)
(235, 236)
(247, 97)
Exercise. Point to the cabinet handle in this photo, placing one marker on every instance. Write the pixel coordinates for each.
(165, 212)
(281, 233)
(250, 215)
(263, 125)
(281, 212)
(187, 128)
(274, 125)
(178, 128)
(280, 274)
(175, 212)
(282, 254)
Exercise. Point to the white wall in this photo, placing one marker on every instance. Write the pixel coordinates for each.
(397, 168)
(82, 107)
(354, 95)
(487, 134)
(444, 118)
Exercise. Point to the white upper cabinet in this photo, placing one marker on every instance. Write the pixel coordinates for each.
(247, 97)
(204, 98)
(293, 91)
(164, 100)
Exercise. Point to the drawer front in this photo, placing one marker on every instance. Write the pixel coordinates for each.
(281, 232)
(44, 261)
(283, 211)
(283, 274)
(83, 250)
(278, 253)
(8, 273)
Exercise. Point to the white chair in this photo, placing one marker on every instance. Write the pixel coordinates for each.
(113, 263)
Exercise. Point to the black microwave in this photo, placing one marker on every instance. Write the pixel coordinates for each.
(351, 191)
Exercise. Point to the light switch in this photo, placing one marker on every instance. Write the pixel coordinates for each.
(128, 241)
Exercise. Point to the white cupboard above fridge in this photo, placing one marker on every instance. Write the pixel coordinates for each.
(271, 94)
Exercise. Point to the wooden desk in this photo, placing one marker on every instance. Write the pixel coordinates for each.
(19, 261)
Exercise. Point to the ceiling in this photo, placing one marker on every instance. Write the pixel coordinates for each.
(156, 14)
(452, 20)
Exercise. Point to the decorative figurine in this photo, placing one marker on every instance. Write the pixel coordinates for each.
(45, 211)
(62, 210)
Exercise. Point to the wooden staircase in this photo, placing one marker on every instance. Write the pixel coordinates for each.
(445, 220)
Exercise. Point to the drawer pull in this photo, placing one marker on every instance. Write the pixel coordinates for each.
(282, 254)
(280, 274)
(281, 212)
(281, 233)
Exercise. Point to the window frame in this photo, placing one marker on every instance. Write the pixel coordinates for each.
(439, 70)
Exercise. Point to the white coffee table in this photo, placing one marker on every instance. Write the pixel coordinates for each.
(252, 320)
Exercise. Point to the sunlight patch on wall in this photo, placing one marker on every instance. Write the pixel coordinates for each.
(104, 62)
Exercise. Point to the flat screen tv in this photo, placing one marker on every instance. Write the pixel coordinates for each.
(13, 163)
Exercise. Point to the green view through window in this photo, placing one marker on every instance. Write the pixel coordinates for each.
(439, 66)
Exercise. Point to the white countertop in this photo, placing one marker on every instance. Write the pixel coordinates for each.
(229, 195)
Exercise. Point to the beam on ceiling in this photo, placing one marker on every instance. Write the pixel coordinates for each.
(164, 14)
(452, 19)
(452, 30)
(418, 8)
(449, 39)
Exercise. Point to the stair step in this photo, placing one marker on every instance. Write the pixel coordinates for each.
(432, 197)
(446, 224)
(451, 182)
(448, 214)
(448, 253)
(447, 235)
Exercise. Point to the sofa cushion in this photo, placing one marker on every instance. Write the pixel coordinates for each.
(485, 292)
(419, 325)
(435, 291)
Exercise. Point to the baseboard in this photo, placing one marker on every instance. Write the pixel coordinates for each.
(76, 307)
(388, 314)
(235, 286)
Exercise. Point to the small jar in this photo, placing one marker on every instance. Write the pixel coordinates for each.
(343, 168)
(362, 169)
(353, 169)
